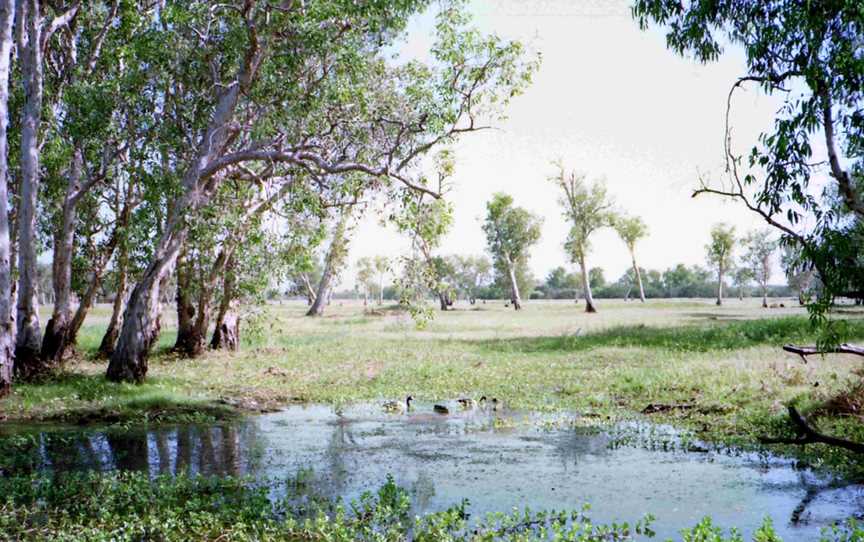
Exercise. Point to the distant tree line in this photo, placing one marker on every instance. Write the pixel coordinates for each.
(678, 281)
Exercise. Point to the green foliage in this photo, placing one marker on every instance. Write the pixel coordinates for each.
(510, 231)
(720, 250)
(129, 506)
(471, 274)
(693, 338)
(759, 246)
(366, 275)
(596, 277)
(808, 55)
(587, 206)
(631, 229)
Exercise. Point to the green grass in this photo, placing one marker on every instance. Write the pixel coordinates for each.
(550, 356)
(129, 506)
(734, 335)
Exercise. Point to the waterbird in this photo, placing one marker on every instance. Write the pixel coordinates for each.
(441, 409)
(467, 403)
(398, 406)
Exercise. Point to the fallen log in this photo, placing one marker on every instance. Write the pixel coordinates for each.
(805, 434)
(805, 351)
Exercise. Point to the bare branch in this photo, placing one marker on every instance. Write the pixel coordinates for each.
(805, 434)
(805, 351)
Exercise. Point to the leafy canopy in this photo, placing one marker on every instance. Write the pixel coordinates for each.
(510, 231)
(719, 250)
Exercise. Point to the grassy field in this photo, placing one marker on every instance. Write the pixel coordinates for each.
(725, 360)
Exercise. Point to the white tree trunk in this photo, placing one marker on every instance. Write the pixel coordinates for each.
(106, 347)
(515, 298)
(719, 285)
(586, 287)
(322, 293)
(381, 289)
(335, 259)
(56, 331)
(638, 277)
(7, 332)
(29, 338)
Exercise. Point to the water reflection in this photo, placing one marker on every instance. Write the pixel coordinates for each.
(624, 472)
(218, 450)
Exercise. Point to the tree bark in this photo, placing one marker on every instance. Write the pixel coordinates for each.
(321, 294)
(311, 296)
(638, 277)
(106, 347)
(226, 334)
(515, 298)
(185, 343)
(197, 342)
(29, 338)
(719, 285)
(87, 301)
(805, 351)
(55, 341)
(335, 259)
(7, 332)
(586, 287)
(444, 301)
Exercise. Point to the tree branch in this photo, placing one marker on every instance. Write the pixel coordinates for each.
(805, 351)
(805, 434)
(58, 22)
(847, 191)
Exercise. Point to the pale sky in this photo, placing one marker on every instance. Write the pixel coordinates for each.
(609, 100)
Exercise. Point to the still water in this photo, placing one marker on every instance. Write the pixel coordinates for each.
(497, 462)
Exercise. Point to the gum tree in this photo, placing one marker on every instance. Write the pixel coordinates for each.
(334, 261)
(266, 88)
(759, 247)
(94, 122)
(808, 55)
(510, 233)
(472, 274)
(631, 230)
(232, 224)
(38, 26)
(799, 272)
(720, 254)
(381, 266)
(366, 277)
(742, 276)
(587, 207)
(427, 220)
(7, 329)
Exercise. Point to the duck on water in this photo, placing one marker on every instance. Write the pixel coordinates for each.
(463, 403)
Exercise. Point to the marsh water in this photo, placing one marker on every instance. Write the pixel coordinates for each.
(496, 461)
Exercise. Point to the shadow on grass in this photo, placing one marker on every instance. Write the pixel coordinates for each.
(730, 335)
(84, 399)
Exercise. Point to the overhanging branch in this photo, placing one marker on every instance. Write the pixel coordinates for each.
(805, 351)
(805, 434)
